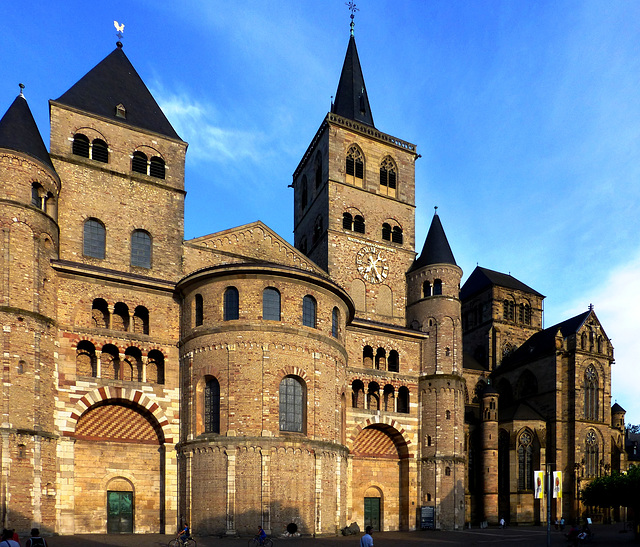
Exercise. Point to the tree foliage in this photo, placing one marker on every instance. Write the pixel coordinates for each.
(615, 490)
(633, 428)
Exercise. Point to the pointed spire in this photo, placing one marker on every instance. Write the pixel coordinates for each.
(113, 82)
(351, 100)
(19, 132)
(436, 249)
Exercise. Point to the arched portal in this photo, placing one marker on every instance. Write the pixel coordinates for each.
(118, 469)
(380, 478)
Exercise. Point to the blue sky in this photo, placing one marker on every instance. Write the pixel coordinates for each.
(526, 114)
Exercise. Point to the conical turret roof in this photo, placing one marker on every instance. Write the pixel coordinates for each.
(436, 249)
(114, 81)
(352, 101)
(19, 132)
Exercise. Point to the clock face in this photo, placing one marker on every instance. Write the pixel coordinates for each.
(372, 265)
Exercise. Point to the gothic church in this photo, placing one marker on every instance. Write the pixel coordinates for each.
(235, 379)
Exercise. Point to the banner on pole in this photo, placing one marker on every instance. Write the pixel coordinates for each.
(557, 484)
(538, 479)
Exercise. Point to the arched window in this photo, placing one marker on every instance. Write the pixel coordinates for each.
(231, 304)
(393, 363)
(335, 322)
(139, 163)
(309, 311)
(388, 177)
(447, 415)
(110, 362)
(80, 145)
(271, 304)
(318, 228)
(592, 452)
(155, 367)
(131, 366)
(525, 461)
(292, 404)
(120, 317)
(583, 341)
(373, 396)
(527, 314)
(527, 385)
(141, 249)
(199, 310)
(381, 359)
(358, 224)
(86, 361)
(141, 320)
(318, 170)
(100, 313)
(447, 471)
(99, 151)
(386, 232)
(508, 310)
(36, 195)
(437, 287)
(157, 167)
(357, 394)
(396, 235)
(355, 166)
(93, 243)
(591, 393)
(347, 221)
(367, 357)
(304, 195)
(403, 400)
(389, 396)
(212, 406)
(426, 289)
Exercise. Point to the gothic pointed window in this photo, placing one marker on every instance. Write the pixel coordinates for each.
(590, 393)
(355, 166)
(94, 236)
(141, 249)
(292, 403)
(388, 177)
(231, 304)
(525, 461)
(592, 452)
(80, 145)
(212, 406)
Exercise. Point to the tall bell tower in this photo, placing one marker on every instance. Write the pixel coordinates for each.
(355, 200)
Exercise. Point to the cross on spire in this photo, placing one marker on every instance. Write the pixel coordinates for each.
(352, 8)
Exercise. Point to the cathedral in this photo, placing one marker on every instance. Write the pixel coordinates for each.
(236, 379)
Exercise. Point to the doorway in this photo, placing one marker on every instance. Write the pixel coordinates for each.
(372, 513)
(119, 512)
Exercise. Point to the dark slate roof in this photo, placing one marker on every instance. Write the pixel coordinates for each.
(436, 249)
(617, 408)
(114, 81)
(352, 101)
(543, 342)
(481, 278)
(520, 412)
(19, 132)
(471, 363)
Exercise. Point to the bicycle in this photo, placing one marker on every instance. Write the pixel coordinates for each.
(177, 542)
(255, 542)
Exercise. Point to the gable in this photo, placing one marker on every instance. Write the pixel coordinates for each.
(249, 243)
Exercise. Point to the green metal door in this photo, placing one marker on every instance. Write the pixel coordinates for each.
(372, 513)
(120, 512)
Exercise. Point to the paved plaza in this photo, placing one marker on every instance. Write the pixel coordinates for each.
(523, 536)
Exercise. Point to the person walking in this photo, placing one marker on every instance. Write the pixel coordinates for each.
(367, 540)
(35, 540)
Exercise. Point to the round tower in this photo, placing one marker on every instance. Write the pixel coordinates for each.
(28, 217)
(617, 417)
(490, 454)
(433, 306)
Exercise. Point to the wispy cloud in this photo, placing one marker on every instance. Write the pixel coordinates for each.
(617, 301)
(198, 124)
